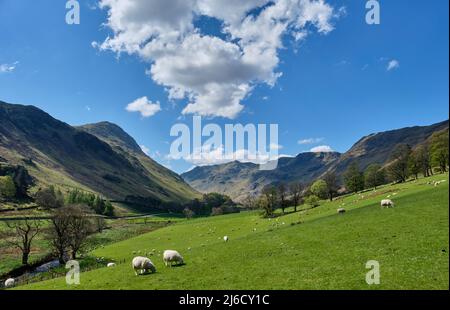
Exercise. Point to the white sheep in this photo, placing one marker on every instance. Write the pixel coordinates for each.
(341, 211)
(143, 265)
(387, 203)
(225, 238)
(111, 265)
(171, 256)
(10, 283)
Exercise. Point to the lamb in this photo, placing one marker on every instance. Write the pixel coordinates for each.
(387, 203)
(341, 211)
(225, 238)
(111, 265)
(10, 283)
(143, 265)
(171, 256)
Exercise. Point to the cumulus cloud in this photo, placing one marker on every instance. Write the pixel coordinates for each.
(322, 149)
(144, 106)
(392, 65)
(213, 73)
(7, 68)
(310, 141)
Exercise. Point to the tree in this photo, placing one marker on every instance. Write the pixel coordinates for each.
(319, 189)
(354, 178)
(250, 202)
(48, 198)
(7, 187)
(282, 193)
(69, 230)
(271, 199)
(59, 234)
(100, 224)
(374, 176)
(413, 165)
(188, 213)
(313, 201)
(24, 232)
(439, 150)
(331, 182)
(296, 190)
(422, 156)
(79, 228)
(398, 169)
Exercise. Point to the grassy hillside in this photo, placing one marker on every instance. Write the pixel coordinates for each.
(101, 158)
(311, 249)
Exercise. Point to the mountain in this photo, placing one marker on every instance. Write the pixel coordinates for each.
(99, 157)
(238, 180)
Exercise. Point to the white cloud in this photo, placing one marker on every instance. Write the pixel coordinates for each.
(8, 68)
(144, 106)
(393, 64)
(214, 74)
(310, 141)
(215, 156)
(322, 149)
(145, 149)
(274, 146)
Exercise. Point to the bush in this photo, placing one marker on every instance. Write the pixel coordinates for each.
(7, 187)
(48, 198)
(312, 201)
(320, 189)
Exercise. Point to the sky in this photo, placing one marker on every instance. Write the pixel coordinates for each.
(315, 68)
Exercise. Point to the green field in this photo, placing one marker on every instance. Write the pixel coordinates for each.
(311, 249)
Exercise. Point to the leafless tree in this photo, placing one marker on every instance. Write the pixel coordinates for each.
(70, 228)
(24, 232)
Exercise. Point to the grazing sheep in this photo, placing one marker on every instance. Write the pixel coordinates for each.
(341, 211)
(171, 256)
(387, 203)
(111, 265)
(225, 238)
(10, 283)
(143, 265)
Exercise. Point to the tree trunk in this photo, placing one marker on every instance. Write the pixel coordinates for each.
(25, 255)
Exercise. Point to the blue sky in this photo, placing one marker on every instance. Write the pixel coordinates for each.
(335, 85)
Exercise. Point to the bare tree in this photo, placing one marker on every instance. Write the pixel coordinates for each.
(24, 233)
(70, 228)
(296, 190)
(80, 227)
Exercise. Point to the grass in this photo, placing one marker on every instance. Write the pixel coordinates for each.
(311, 249)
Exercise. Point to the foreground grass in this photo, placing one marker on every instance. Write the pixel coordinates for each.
(313, 249)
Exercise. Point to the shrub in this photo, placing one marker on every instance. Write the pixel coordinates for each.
(7, 187)
(312, 201)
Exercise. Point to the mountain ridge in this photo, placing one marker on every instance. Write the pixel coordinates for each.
(308, 166)
(109, 162)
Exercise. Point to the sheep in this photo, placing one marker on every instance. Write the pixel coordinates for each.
(225, 238)
(171, 256)
(10, 283)
(142, 264)
(111, 265)
(387, 203)
(341, 211)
